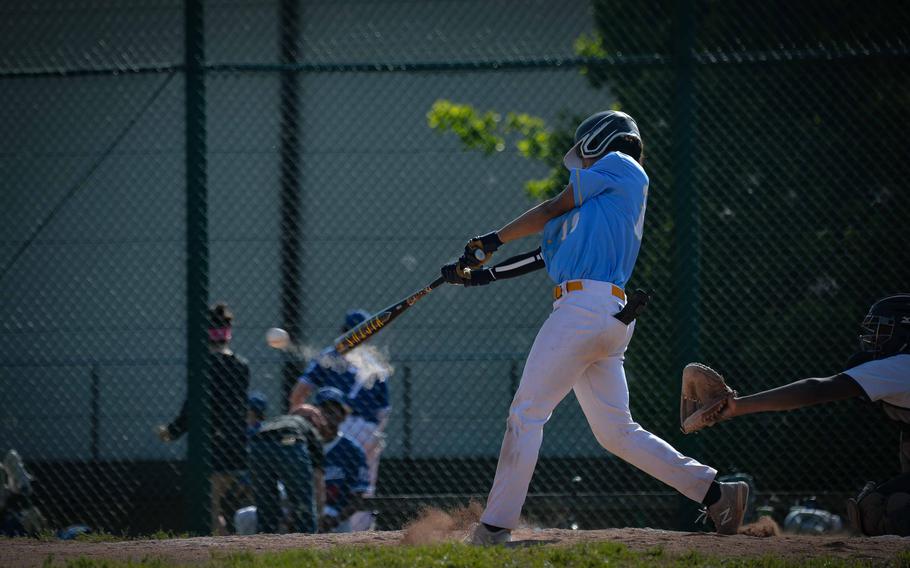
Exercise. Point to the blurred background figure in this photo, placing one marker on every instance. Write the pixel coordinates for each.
(229, 380)
(286, 464)
(18, 516)
(239, 497)
(257, 407)
(346, 473)
(362, 376)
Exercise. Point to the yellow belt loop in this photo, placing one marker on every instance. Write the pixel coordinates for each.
(617, 291)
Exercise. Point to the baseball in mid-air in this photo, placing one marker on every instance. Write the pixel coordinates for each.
(277, 338)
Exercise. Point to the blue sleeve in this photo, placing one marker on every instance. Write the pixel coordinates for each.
(314, 375)
(604, 176)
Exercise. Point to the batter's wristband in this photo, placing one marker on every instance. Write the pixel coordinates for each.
(491, 241)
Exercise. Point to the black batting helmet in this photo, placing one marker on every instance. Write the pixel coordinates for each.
(594, 134)
(886, 328)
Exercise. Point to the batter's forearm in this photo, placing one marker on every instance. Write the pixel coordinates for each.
(533, 220)
(799, 394)
(530, 222)
(518, 265)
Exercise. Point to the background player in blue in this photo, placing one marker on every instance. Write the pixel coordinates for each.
(591, 236)
(346, 473)
(878, 372)
(362, 375)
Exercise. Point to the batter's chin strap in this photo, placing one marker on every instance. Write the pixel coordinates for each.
(518, 265)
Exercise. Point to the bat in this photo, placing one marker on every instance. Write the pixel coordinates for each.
(278, 338)
(371, 326)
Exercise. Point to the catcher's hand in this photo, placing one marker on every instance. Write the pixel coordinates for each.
(703, 398)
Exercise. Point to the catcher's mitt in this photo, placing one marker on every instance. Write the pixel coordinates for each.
(704, 393)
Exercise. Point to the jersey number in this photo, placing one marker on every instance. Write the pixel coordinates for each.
(566, 230)
(640, 225)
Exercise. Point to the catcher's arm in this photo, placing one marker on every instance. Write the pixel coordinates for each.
(798, 394)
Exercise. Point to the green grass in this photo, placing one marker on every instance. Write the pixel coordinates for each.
(459, 555)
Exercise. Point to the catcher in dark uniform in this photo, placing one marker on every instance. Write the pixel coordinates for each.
(878, 372)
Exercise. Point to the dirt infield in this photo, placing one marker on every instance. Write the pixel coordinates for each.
(27, 552)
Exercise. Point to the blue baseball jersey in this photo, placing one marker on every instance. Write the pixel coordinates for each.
(346, 472)
(600, 237)
(332, 370)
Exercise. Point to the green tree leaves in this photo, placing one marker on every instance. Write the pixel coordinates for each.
(487, 132)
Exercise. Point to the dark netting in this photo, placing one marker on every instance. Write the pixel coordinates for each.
(338, 171)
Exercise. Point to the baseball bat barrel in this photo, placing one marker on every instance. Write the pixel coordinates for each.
(382, 318)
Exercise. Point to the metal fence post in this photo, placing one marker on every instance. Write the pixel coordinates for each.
(197, 486)
(289, 102)
(685, 218)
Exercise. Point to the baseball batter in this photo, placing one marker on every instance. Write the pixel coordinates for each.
(592, 233)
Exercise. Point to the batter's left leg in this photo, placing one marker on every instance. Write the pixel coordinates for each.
(603, 395)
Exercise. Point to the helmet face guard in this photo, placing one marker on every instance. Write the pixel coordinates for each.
(595, 134)
(886, 328)
(876, 332)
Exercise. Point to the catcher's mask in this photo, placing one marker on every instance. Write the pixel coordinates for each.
(594, 134)
(886, 328)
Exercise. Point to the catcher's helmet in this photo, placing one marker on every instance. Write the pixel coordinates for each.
(594, 134)
(886, 328)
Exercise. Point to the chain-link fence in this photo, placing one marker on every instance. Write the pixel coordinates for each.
(159, 156)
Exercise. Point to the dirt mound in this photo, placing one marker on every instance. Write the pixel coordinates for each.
(435, 525)
(764, 527)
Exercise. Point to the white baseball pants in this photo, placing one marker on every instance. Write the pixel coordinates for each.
(580, 347)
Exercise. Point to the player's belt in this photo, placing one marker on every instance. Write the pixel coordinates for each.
(574, 285)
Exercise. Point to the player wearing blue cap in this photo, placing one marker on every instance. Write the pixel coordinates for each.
(361, 375)
(592, 233)
(347, 477)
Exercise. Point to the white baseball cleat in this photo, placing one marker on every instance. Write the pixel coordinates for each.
(482, 536)
(728, 512)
